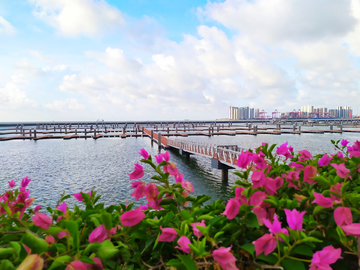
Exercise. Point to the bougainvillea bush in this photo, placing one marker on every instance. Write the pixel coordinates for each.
(287, 211)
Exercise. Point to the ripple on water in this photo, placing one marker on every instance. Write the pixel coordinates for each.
(70, 165)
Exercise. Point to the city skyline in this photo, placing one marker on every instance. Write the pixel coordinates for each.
(190, 59)
(308, 111)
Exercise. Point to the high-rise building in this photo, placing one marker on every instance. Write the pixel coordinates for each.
(252, 113)
(257, 114)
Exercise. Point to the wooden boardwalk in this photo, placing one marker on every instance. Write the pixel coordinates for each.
(68, 132)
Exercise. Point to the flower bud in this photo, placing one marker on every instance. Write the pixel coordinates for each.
(32, 262)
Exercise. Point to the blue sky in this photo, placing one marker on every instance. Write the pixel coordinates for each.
(142, 60)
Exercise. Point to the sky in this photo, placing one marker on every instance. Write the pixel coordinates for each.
(133, 60)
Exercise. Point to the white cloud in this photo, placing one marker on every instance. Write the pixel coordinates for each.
(279, 20)
(71, 104)
(55, 68)
(78, 17)
(6, 28)
(11, 95)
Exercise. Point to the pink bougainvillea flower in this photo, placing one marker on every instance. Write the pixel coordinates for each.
(240, 196)
(225, 258)
(272, 185)
(309, 171)
(179, 178)
(343, 216)
(159, 158)
(62, 207)
(151, 192)
(297, 166)
(284, 151)
(322, 201)
(275, 227)
(196, 230)
(322, 259)
(188, 186)
(291, 177)
(244, 159)
(171, 169)
(305, 155)
(98, 235)
(259, 161)
(62, 234)
(139, 191)
(137, 173)
(12, 183)
(261, 214)
(344, 142)
(94, 266)
(144, 153)
(25, 182)
(131, 218)
(50, 239)
(352, 229)
(232, 208)
(183, 243)
(76, 265)
(143, 207)
(350, 148)
(166, 156)
(341, 170)
(258, 179)
(324, 160)
(257, 198)
(356, 145)
(354, 154)
(78, 196)
(114, 229)
(294, 219)
(167, 235)
(42, 220)
(155, 204)
(336, 189)
(37, 208)
(340, 154)
(267, 244)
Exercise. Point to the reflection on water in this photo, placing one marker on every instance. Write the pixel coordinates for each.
(70, 165)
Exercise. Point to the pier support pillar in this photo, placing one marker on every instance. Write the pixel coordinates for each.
(224, 169)
(331, 127)
(159, 140)
(152, 136)
(225, 175)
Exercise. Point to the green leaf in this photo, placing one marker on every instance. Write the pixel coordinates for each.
(249, 247)
(302, 250)
(60, 261)
(318, 209)
(36, 244)
(185, 214)
(292, 264)
(271, 258)
(73, 229)
(86, 260)
(125, 254)
(65, 198)
(252, 220)
(311, 239)
(6, 265)
(322, 180)
(91, 248)
(188, 262)
(106, 219)
(106, 251)
(6, 252)
(21, 205)
(176, 263)
(218, 234)
(216, 220)
(284, 237)
(205, 217)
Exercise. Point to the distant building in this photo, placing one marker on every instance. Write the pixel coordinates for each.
(257, 114)
(252, 113)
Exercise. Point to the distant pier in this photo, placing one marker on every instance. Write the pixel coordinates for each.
(96, 130)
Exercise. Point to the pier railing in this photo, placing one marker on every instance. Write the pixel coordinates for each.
(227, 154)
